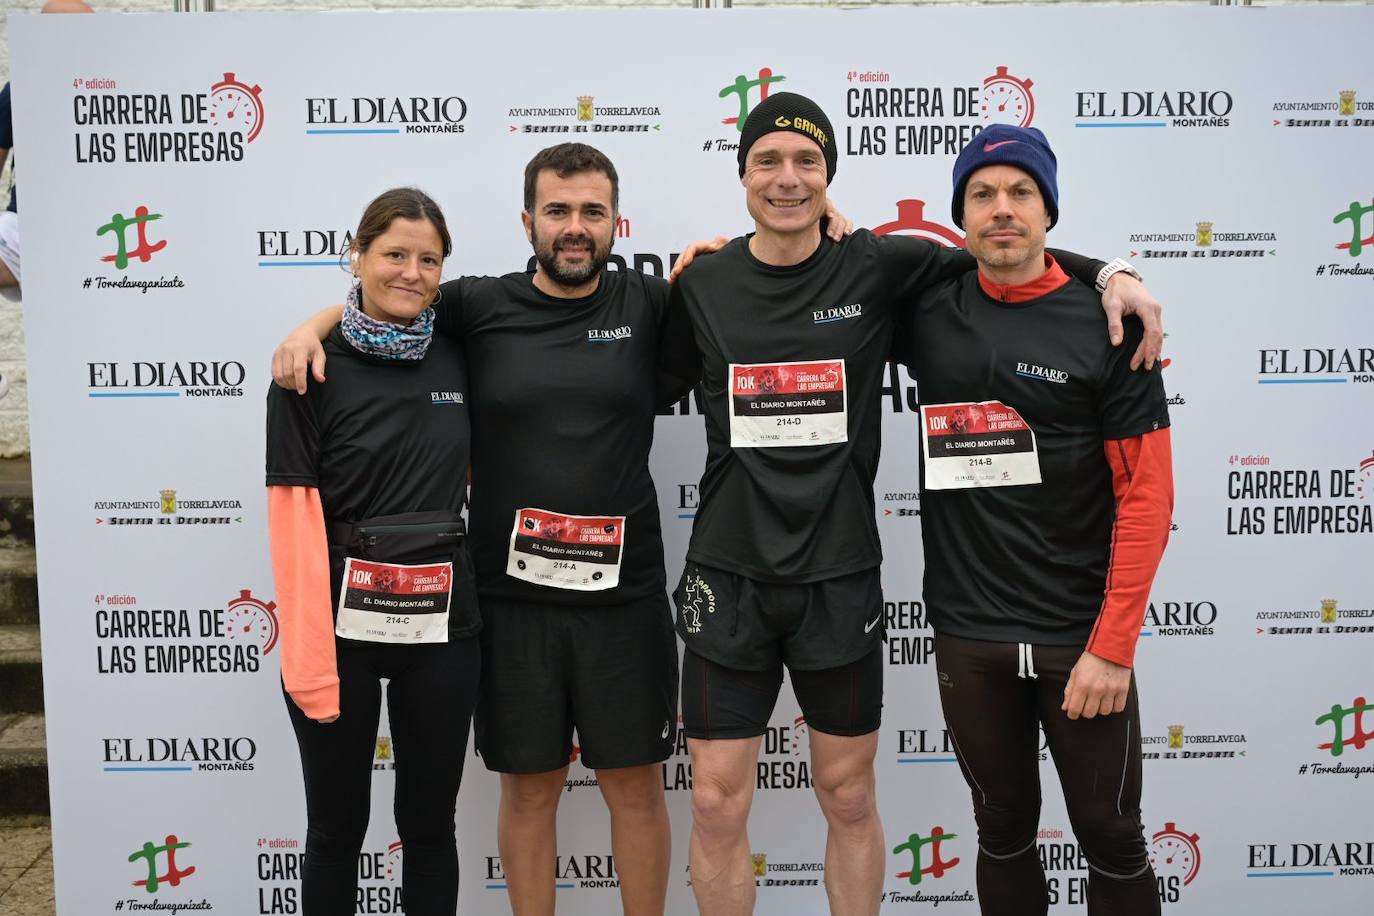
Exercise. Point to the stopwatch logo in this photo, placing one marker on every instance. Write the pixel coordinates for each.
(911, 220)
(1007, 99)
(1173, 852)
(252, 620)
(1366, 477)
(234, 105)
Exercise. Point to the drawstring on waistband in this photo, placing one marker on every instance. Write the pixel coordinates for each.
(1026, 661)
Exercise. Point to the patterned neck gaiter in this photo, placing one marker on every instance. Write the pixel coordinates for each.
(382, 338)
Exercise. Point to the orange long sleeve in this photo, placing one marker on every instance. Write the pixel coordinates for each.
(1143, 481)
(300, 566)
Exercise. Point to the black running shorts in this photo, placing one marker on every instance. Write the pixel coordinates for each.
(749, 625)
(720, 702)
(610, 673)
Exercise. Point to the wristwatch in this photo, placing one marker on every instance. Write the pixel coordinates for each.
(1114, 267)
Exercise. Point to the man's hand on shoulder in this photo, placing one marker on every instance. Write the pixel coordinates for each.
(837, 225)
(300, 352)
(1125, 295)
(1096, 687)
(685, 259)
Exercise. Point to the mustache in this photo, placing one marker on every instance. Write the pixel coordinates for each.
(566, 240)
(1003, 227)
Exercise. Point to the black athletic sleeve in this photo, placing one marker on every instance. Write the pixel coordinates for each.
(1078, 266)
(949, 263)
(448, 311)
(669, 387)
(1130, 403)
(915, 264)
(902, 350)
(678, 357)
(293, 438)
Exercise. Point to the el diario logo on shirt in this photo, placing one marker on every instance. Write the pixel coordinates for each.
(604, 335)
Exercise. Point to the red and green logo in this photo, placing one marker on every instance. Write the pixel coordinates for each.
(118, 226)
(1356, 216)
(742, 87)
(150, 853)
(1354, 735)
(917, 845)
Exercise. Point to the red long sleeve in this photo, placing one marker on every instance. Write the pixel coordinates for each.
(1143, 481)
(300, 566)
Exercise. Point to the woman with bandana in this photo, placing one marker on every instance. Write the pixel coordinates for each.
(372, 570)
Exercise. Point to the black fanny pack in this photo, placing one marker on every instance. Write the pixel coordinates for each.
(410, 539)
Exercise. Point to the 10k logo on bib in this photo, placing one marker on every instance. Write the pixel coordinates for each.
(982, 444)
(391, 602)
(788, 404)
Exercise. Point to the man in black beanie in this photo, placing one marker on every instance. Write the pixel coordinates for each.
(790, 334)
(789, 111)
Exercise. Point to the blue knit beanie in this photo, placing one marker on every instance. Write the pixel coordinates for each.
(1002, 144)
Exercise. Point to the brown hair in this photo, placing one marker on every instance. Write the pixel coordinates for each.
(400, 203)
(567, 159)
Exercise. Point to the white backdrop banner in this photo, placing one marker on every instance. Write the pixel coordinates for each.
(189, 185)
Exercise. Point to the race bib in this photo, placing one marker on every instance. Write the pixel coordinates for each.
(986, 444)
(388, 602)
(579, 552)
(786, 404)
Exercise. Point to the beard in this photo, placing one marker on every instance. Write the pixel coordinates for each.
(1004, 257)
(997, 256)
(546, 253)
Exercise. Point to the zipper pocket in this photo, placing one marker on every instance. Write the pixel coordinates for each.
(370, 534)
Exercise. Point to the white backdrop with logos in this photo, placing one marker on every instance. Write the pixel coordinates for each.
(189, 182)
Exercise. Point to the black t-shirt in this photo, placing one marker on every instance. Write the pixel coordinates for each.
(381, 437)
(1027, 563)
(794, 512)
(563, 408)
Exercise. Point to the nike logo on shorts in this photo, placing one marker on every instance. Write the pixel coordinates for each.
(868, 627)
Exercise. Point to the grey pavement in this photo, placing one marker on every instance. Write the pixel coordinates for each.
(26, 882)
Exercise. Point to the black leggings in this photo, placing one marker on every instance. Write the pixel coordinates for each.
(429, 702)
(995, 696)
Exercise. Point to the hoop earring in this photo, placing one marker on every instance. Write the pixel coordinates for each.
(438, 297)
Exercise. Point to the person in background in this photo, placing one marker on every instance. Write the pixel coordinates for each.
(9, 217)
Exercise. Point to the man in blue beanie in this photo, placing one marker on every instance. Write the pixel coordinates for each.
(1057, 442)
(1024, 148)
